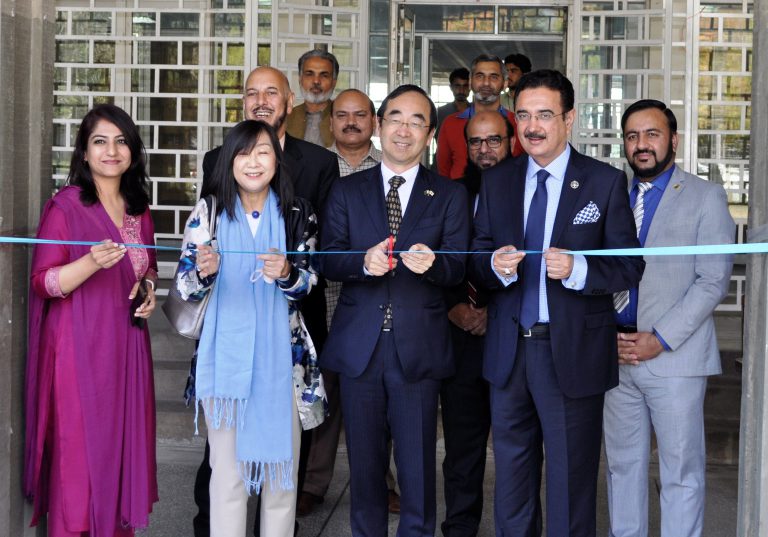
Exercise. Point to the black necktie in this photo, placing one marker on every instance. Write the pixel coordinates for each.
(394, 209)
(534, 240)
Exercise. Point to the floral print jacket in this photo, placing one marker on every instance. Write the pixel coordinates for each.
(301, 238)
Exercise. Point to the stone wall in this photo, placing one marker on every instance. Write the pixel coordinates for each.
(26, 87)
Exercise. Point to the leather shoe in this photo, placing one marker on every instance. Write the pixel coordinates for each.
(306, 503)
(393, 502)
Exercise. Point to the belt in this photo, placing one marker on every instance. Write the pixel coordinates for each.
(538, 330)
(626, 328)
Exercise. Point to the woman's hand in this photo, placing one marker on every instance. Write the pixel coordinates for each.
(276, 266)
(146, 309)
(107, 253)
(207, 260)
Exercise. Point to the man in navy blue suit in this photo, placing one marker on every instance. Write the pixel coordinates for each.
(550, 351)
(389, 339)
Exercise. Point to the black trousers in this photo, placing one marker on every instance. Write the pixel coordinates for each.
(466, 413)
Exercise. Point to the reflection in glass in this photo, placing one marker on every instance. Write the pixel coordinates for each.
(180, 24)
(72, 51)
(91, 23)
(228, 24)
(90, 79)
(178, 81)
(176, 193)
(143, 23)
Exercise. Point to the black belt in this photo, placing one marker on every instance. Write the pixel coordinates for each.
(626, 328)
(538, 330)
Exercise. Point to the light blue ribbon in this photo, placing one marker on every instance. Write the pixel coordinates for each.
(702, 249)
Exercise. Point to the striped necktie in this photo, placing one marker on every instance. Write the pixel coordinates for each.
(621, 299)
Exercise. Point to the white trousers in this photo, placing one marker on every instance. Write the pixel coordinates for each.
(229, 499)
(673, 407)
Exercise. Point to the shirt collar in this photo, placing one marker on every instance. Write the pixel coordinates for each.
(409, 175)
(373, 153)
(470, 111)
(660, 182)
(556, 168)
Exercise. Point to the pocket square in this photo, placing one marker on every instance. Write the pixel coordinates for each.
(588, 215)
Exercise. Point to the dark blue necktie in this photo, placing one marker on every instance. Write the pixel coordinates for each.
(534, 240)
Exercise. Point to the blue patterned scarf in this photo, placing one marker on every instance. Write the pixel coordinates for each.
(244, 364)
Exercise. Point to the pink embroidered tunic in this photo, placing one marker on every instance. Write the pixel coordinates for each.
(90, 439)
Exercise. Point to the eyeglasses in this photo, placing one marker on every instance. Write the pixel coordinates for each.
(523, 117)
(492, 141)
(411, 125)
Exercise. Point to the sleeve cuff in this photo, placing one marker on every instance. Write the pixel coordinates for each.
(661, 340)
(52, 286)
(578, 278)
(505, 280)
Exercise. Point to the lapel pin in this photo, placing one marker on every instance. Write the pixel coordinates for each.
(574, 185)
(429, 193)
(676, 186)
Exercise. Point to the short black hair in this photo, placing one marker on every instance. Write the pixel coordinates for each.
(521, 60)
(241, 139)
(459, 72)
(550, 79)
(353, 90)
(645, 104)
(486, 58)
(134, 183)
(407, 88)
(510, 128)
(318, 53)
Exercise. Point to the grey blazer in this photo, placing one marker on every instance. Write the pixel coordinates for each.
(678, 294)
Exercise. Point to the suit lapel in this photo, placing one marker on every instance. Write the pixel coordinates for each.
(293, 158)
(665, 209)
(516, 201)
(371, 191)
(568, 195)
(417, 204)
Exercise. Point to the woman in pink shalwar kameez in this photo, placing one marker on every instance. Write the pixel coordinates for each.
(90, 439)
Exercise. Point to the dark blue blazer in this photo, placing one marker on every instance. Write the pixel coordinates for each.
(354, 219)
(582, 323)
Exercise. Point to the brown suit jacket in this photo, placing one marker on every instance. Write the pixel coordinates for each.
(296, 124)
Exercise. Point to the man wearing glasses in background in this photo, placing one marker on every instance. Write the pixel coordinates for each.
(466, 411)
(487, 82)
(389, 339)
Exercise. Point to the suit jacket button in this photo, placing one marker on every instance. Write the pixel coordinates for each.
(381, 306)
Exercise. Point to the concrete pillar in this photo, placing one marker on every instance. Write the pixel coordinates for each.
(27, 48)
(753, 441)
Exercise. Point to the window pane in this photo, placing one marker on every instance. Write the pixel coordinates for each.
(179, 24)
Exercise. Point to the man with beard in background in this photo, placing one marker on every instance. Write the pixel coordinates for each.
(466, 410)
(268, 97)
(667, 343)
(310, 121)
(487, 82)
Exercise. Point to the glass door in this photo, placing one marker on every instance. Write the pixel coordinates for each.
(403, 46)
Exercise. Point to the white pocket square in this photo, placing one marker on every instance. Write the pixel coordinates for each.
(588, 215)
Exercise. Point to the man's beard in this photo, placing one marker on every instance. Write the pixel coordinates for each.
(316, 98)
(655, 170)
(490, 99)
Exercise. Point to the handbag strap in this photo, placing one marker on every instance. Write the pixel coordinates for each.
(210, 201)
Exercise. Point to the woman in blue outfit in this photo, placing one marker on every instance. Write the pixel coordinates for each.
(256, 379)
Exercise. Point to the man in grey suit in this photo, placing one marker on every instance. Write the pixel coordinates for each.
(667, 344)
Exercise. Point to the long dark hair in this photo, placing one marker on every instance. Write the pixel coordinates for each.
(241, 140)
(135, 180)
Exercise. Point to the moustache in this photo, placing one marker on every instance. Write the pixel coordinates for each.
(534, 135)
(351, 128)
(644, 152)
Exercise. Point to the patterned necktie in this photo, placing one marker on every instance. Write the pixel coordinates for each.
(621, 299)
(394, 210)
(534, 240)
